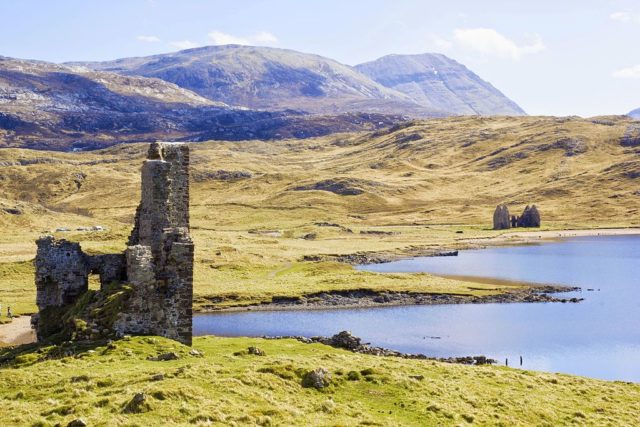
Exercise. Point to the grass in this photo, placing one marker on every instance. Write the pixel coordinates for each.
(226, 385)
(244, 287)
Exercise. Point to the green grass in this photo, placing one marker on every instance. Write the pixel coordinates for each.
(229, 386)
(245, 286)
(17, 288)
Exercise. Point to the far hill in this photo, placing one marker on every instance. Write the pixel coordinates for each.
(275, 79)
(45, 105)
(635, 113)
(269, 79)
(438, 82)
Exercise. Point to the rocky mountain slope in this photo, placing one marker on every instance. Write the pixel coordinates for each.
(438, 82)
(44, 105)
(635, 113)
(269, 79)
(275, 79)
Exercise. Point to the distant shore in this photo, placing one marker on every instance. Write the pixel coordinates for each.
(524, 237)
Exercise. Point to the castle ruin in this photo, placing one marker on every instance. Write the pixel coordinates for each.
(157, 264)
(502, 221)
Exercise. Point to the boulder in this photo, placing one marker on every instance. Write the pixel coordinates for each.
(318, 378)
(345, 340)
(137, 405)
(164, 357)
(501, 218)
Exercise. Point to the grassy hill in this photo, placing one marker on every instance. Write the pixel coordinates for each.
(258, 208)
(223, 384)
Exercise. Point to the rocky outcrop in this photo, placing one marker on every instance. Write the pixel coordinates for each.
(501, 218)
(631, 137)
(157, 266)
(347, 341)
(530, 217)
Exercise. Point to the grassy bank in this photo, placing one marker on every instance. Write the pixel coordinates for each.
(226, 385)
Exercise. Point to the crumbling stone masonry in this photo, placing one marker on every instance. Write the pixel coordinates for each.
(501, 219)
(530, 217)
(158, 262)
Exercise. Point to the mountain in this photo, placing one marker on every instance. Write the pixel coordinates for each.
(50, 106)
(269, 79)
(438, 82)
(635, 113)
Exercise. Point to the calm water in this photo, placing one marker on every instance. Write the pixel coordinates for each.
(599, 337)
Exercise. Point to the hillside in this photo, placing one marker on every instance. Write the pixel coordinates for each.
(221, 383)
(269, 79)
(438, 82)
(635, 113)
(418, 184)
(49, 106)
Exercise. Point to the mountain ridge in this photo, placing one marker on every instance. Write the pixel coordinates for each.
(274, 78)
(51, 106)
(270, 79)
(440, 82)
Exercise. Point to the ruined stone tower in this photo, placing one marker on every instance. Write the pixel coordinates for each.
(157, 265)
(160, 251)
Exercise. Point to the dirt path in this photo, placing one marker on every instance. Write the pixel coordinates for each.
(17, 332)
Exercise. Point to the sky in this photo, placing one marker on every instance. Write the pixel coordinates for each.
(552, 57)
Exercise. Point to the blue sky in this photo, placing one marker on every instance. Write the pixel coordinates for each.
(560, 57)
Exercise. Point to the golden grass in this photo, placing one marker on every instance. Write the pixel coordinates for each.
(424, 182)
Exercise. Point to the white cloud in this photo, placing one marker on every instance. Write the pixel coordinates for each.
(490, 42)
(625, 17)
(262, 38)
(183, 44)
(442, 44)
(620, 16)
(148, 39)
(627, 73)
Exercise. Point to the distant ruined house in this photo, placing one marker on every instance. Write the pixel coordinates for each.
(148, 289)
(502, 221)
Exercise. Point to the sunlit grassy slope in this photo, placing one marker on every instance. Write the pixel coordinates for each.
(227, 387)
(424, 182)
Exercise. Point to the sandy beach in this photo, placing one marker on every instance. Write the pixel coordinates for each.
(523, 237)
(17, 332)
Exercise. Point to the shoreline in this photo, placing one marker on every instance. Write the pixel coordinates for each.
(508, 238)
(19, 330)
(365, 299)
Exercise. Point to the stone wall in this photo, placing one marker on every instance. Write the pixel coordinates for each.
(501, 218)
(158, 262)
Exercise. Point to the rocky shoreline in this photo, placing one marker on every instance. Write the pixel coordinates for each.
(366, 298)
(354, 344)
